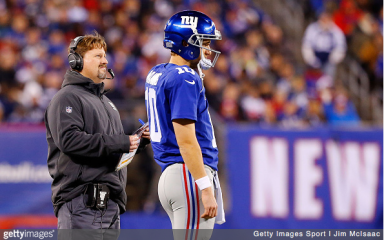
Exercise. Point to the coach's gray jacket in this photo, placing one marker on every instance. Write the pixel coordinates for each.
(85, 141)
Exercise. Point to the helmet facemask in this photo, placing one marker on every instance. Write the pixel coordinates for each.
(197, 41)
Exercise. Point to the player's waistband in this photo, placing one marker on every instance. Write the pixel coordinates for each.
(205, 166)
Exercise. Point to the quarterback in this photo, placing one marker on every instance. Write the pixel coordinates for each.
(181, 130)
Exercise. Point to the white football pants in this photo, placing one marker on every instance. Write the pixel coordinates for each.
(181, 199)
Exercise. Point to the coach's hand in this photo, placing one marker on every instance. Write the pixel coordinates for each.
(209, 202)
(134, 141)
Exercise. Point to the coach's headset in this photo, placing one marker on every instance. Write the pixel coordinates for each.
(76, 61)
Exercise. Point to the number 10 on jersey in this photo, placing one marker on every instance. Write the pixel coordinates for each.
(154, 124)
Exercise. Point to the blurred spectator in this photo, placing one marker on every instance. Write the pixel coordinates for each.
(320, 6)
(276, 64)
(314, 113)
(341, 112)
(35, 48)
(274, 37)
(278, 101)
(324, 45)
(347, 16)
(4, 23)
(290, 117)
(239, 18)
(265, 89)
(298, 93)
(57, 43)
(230, 109)
(215, 86)
(324, 87)
(19, 26)
(29, 109)
(51, 85)
(252, 104)
(77, 13)
(255, 41)
(93, 22)
(9, 100)
(367, 44)
(113, 93)
(286, 75)
(8, 58)
(269, 117)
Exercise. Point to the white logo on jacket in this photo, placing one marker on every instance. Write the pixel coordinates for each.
(68, 109)
(113, 106)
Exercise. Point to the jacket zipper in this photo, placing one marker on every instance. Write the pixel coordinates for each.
(109, 116)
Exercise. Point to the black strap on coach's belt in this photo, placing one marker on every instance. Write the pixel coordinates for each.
(97, 195)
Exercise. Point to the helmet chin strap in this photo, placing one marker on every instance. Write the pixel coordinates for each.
(204, 64)
(201, 74)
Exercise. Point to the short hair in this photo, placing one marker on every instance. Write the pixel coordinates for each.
(89, 42)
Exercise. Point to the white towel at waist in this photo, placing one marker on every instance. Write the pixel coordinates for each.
(220, 218)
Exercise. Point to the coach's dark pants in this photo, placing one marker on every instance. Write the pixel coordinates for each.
(89, 223)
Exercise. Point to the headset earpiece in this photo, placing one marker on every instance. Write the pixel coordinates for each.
(74, 59)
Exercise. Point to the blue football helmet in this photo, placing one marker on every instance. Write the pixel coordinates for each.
(192, 27)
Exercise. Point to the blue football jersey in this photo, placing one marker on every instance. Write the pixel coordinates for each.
(177, 92)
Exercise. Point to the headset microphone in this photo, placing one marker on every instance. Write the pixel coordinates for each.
(112, 74)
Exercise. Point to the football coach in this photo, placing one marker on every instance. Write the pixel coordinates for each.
(85, 142)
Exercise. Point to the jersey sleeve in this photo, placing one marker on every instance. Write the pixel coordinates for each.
(184, 95)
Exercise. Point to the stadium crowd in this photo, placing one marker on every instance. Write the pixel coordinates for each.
(255, 79)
